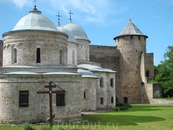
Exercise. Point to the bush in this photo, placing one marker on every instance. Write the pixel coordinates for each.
(123, 107)
(28, 126)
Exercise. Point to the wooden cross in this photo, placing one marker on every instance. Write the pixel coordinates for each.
(70, 15)
(58, 19)
(50, 92)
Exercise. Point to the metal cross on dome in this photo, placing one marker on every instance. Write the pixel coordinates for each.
(58, 18)
(70, 15)
(50, 92)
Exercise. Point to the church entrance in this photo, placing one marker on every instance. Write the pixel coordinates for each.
(125, 100)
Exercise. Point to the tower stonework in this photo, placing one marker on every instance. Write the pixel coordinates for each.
(133, 65)
(132, 46)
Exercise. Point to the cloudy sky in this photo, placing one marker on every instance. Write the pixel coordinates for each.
(102, 20)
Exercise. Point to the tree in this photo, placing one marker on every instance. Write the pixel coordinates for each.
(165, 76)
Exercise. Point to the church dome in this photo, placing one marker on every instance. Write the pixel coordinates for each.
(71, 37)
(35, 21)
(77, 31)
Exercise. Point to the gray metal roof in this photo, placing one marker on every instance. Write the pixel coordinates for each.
(130, 29)
(35, 21)
(77, 31)
(86, 73)
(71, 37)
(95, 68)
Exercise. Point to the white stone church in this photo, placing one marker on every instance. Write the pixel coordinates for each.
(36, 52)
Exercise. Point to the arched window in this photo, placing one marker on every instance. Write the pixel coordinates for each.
(101, 100)
(61, 58)
(84, 95)
(112, 82)
(112, 100)
(38, 56)
(15, 55)
(101, 82)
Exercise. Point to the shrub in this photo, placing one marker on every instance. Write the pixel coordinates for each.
(28, 126)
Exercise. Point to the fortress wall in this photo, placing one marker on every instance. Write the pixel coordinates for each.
(149, 65)
(108, 57)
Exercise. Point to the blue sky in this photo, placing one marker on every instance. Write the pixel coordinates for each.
(102, 20)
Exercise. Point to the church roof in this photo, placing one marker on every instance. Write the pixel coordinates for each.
(35, 21)
(77, 31)
(130, 29)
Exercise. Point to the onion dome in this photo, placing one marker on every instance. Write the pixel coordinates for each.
(71, 37)
(130, 29)
(35, 21)
(77, 31)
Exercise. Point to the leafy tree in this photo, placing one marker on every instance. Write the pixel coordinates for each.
(165, 76)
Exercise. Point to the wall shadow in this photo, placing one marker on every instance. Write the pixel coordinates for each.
(120, 119)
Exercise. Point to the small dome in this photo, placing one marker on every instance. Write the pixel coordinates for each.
(35, 21)
(71, 37)
(77, 31)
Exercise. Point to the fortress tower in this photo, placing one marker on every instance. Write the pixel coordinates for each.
(131, 43)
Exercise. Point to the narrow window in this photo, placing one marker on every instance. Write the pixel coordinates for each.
(23, 98)
(15, 55)
(101, 82)
(112, 82)
(73, 57)
(85, 95)
(139, 37)
(101, 100)
(131, 37)
(60, 99)
(144, 39)
(112, 100)
(61, 57)
(147, 73)
(38, 60)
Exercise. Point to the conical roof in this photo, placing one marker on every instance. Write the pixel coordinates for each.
(130, 29)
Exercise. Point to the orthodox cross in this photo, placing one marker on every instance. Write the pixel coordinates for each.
(58, 19)
(70, 15)
(50, 92)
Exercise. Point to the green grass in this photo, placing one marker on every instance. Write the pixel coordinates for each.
(137, 117)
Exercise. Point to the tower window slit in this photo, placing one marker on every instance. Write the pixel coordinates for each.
(38, 60)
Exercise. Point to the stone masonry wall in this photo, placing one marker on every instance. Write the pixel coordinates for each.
(26, 44)
(108, 57)
(38, 109)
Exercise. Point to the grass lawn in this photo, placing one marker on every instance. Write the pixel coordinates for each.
(138, 117)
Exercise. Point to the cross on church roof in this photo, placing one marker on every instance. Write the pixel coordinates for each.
(58, 18)
(70, 15)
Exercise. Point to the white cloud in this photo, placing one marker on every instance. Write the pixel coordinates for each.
(95, 11)
(21, 3)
